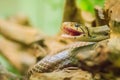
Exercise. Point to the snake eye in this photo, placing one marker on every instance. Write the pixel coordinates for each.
(77, 25)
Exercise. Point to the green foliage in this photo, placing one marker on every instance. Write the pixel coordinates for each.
(7, 65)
(89, 5)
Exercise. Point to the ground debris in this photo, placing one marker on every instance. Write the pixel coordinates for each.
(64, 74)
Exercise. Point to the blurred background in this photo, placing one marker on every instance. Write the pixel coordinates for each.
(45, 15)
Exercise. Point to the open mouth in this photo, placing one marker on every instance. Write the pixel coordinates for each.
(71, 32)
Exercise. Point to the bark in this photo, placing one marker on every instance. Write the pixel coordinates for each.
(63, 75)
(71, 12)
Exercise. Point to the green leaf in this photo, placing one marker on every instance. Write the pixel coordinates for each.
(88, 5)
(7, 65)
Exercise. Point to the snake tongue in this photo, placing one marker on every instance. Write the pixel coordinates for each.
(71, 32)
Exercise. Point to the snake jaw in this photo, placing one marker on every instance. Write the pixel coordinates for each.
(71, 32)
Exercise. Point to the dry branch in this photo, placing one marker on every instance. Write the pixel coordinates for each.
(19, 33)
(63, 75)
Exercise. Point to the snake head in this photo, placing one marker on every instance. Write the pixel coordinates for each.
(76, 31)
(73, 30)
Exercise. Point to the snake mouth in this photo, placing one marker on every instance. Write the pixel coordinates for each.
(71, 32)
